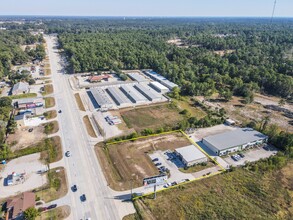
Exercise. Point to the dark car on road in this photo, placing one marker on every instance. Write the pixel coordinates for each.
(52, 206)
(59, 111)
(83, 198)
(74, 188)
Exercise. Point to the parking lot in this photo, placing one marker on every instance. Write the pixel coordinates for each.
(29, 165)
(252, 155)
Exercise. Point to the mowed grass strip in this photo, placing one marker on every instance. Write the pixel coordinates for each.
(48, 89)
(79, 102)
(57, 186)
(89, 126)
(120, 161)
(50, 114)
(51, 127)
(49, 102)
(25, 95)
(58, 213)
(240, 194)
(152, 117)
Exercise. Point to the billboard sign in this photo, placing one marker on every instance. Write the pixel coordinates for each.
(155, 180)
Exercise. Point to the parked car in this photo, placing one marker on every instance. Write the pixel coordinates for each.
(155, 159)
(174, 183)
(158, 164)
(68, 154)
(83, 198)
(52, 206)
(167, 185)
(241, 155)
(59, 111)
(30, 130)
(74, 188)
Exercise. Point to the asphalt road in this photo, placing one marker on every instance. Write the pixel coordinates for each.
(82, 167)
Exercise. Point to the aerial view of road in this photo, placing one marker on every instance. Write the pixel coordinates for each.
(82, 167)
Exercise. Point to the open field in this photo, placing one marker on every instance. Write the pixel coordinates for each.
(49, 102)
(153, 117)
(89, 127)
(48, 89)
(79, 102)
(120, 161)
(187, 104)
(50, 114)
(25, 95)
(53, 150)
(51, 127)
(58, 213)
(57, 186)
(258, 196)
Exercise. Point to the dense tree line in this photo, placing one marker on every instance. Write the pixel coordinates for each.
(257, 60)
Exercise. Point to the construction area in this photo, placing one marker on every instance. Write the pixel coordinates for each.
(140, 88)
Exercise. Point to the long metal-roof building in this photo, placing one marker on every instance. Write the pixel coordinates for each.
(100, 98)
(133, 94)
(137, 77)
(148, 92)
(119, 98)
(159, 87)
(233, 141)
(157, 77)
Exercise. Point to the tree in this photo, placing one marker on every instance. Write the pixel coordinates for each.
(175, 92)
(5, 102)
(282, 102)
(31, 213)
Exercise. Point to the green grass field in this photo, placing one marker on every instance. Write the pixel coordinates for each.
(240, 194)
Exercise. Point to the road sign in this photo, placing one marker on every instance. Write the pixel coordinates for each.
(155, 180)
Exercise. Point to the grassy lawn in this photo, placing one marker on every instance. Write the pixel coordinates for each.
(48, 89)
(49, 102)
(197, 167)
(53, 152)
(58, 213)
(57, 186)
(25, 95)
(79, 102)
(240, 194)
(187, 104)
(89, 127)
(51, 127)
(50, 114)
(120, 161)
(153, 117)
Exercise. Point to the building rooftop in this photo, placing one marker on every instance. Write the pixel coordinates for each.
(118, 96)
(159, 85)
(137, 77)
(190, 153)
(148, 91)
(21, 203)
(101, 97)
(168, 84)
(22, 86)
(99, 77)
(234, 138)
(133, 93)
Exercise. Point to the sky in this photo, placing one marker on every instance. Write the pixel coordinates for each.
(173, 8)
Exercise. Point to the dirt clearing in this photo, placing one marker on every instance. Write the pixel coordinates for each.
(129, 160)
(58, 213)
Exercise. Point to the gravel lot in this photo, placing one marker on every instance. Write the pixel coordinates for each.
(30, 165)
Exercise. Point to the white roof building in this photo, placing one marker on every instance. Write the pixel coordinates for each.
(20, 88)
(191, 155)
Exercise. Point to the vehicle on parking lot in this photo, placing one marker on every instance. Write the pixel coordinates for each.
(52, 206)
(167, 185)
(266, 148)
(241, 155)
(74, 188)
(68, 154)
(83, 198)
(155, 159)
(174, 183)
(236, 157)
(30, 130)
(158, 164)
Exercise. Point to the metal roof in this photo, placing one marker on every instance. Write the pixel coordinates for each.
(118, 96)
(101, 97)
(137, 77)
(159, 86)
(22, 86)
(190, 153)
(148, 92)
(133, 93)
(168, 83)
(238, 137)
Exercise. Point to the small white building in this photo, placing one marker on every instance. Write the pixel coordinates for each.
(191, 155)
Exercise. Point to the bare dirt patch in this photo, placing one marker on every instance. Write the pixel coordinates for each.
(129, 160)
(22, 138)
(79, 102)
(89, 127)
(223, 52)
(58, 213)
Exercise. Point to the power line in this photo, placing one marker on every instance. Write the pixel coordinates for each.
(273, 13)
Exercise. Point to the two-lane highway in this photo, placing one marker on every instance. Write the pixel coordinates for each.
(82, 167)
